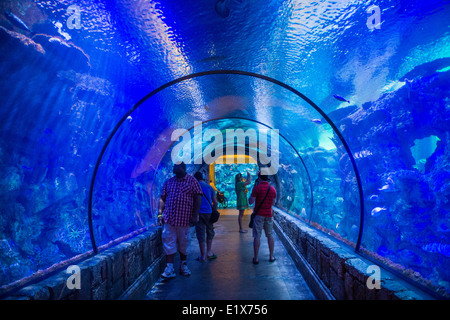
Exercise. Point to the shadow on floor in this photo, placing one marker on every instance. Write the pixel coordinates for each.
(233, 276)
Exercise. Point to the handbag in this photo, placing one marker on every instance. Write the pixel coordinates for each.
(215, 214)
(252, 217)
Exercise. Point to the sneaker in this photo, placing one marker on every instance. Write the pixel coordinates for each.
(184, 270)
(168, 273)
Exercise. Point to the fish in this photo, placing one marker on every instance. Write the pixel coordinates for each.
(59, 26)
(285, 167)
(59, 41)
(422, 161)
(373, 197)
(316, 121)
(409, 84)
(423, 69)
(222, 9)
(64, 248)
(16, 21)
(362, 154)
(213, 58)
(377, 211)
(389, 187)
(341, 113)
(338, 97)
(445, 69)
(436, 247)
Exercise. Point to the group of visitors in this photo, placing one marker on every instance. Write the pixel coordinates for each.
(189, 201)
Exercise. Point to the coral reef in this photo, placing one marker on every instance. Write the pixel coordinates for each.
(413, 230)
(43, 181)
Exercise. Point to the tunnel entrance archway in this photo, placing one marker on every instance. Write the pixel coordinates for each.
(226, 72)
(238, 159)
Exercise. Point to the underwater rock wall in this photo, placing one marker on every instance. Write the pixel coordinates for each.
(407, 209)
(46, 168)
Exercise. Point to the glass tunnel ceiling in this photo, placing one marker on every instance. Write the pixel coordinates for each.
(153, 42)
(124, 50)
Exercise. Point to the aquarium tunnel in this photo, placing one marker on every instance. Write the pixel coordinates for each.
(345, 103)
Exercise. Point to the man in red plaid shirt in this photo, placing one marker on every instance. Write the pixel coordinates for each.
(181, 198)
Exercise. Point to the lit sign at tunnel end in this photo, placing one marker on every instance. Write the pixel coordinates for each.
(255, 140)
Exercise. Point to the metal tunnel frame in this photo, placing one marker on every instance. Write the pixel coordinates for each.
(223, 72)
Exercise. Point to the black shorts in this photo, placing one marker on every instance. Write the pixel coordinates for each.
(204, 226)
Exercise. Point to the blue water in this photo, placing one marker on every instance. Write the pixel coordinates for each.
(65, 88)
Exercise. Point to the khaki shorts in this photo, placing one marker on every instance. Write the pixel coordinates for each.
(175, 239)
(260, 223)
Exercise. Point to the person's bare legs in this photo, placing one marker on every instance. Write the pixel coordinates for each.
(209, 252)
(202, 250)
(205, 249)
(241, 214)
(271, 243)
(256, 245)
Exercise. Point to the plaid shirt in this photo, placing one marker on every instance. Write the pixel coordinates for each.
(180, 200)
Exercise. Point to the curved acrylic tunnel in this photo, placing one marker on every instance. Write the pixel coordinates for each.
(83, 159)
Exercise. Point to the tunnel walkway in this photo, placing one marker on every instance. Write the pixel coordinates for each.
(233, 276)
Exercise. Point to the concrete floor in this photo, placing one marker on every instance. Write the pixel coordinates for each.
(233, 276)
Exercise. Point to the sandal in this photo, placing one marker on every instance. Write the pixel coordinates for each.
(214, 256)
(272, 260)
(255, 261)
